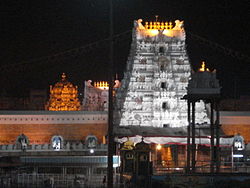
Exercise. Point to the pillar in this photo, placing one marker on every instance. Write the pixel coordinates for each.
(193, 137)
(188, 139)
(212, 156)
(217, 138)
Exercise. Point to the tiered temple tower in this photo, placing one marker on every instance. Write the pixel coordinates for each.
(156, 77)
(63, 96)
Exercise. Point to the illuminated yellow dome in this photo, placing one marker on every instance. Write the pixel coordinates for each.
(63, 96)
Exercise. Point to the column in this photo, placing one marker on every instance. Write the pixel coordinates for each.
(217, 137)
(188, 138)
(193, 137)
(212, 138)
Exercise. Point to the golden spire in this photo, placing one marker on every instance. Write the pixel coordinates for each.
(156, 18)
(162, 25)
(170, 25)
(203, 67)
(159, 25)
(101, 85)
(63, 76)
(150, 25)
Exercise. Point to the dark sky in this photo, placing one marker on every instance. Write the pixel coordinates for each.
(31, 30)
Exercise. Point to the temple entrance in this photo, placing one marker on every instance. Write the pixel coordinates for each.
(168, 158)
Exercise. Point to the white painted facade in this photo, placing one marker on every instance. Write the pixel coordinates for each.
(156, 78)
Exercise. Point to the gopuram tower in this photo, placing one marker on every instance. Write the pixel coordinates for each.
(156, 78)
(63, 96)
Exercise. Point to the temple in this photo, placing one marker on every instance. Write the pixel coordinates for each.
(151, 118)
(96, 95)
(156, 78)
(63, 96)
(203, 82)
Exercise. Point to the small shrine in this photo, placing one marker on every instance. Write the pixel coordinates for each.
(63, 96)
(204, 86)
(203, 82)
(96, 95)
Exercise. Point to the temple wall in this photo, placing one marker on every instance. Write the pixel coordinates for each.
(53, 118)
(243, 130)
(40, 126)
(236, 122)
(42, 133)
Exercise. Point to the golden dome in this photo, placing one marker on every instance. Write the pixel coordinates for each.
(63, 96)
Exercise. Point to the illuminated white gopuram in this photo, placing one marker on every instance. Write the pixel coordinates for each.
(156, 78)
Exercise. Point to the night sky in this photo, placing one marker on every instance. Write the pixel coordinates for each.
(41, 39)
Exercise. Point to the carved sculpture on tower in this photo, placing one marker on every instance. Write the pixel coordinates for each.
(156, 78)
(63, 96)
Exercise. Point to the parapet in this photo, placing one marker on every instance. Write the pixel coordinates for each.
(153, 29)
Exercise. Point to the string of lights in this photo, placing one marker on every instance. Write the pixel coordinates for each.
(219, 47)
(71, 52)
(75, 52)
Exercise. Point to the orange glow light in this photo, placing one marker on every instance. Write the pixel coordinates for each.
(158, 147)
(153, 32)
(168, 33)
(203, 67)
(102, 85)
(158, 25)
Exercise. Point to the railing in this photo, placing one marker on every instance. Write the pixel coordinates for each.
(54, 180)
(48, 147)
(96, 180)
(201, 167)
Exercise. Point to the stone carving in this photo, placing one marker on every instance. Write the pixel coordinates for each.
(142, 92)
(63, 96)
(91, 141)
(57, 143)
(67, 145)
(23, 141)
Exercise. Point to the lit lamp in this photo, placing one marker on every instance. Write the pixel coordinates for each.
(158, 147)
(91, 151)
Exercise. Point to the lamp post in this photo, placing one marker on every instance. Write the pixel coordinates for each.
(110, 110)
